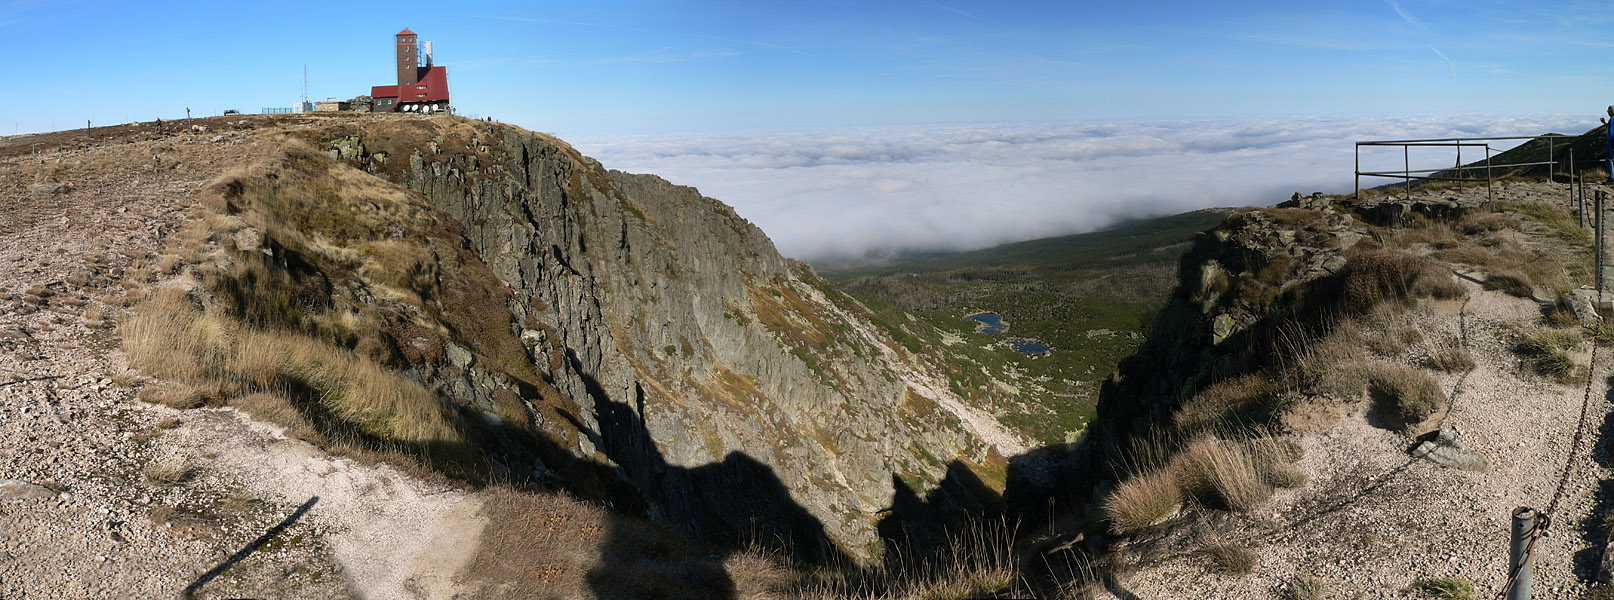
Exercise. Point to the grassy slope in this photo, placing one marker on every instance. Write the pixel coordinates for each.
(1089, 295)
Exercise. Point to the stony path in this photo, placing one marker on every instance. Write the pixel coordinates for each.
(129, 500)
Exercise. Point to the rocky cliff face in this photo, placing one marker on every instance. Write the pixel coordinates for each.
(1242, 282)
(735, 391)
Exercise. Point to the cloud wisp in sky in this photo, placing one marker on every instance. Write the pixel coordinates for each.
(850, 193)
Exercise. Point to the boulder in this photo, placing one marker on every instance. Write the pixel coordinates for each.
(47, 188)
(13, 489)
(1584, 303)
(1443, 449)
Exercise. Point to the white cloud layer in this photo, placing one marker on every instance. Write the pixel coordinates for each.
(826, 194)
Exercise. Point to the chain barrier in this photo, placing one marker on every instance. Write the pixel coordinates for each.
(1544, 518)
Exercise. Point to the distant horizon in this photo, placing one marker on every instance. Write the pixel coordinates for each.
(843, 193)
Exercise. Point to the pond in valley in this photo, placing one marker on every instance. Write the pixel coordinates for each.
(992, 323)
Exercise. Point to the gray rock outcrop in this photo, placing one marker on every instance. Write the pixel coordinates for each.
(729, 385)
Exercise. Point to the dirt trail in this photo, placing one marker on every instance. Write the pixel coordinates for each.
(68, 258)
(394, 535)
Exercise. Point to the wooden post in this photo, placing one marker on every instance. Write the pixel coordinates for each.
(1524, 526)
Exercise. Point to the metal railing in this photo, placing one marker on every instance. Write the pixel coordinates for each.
(1456, 173)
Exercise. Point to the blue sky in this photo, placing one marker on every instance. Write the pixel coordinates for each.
(604, 67)
(852, 128)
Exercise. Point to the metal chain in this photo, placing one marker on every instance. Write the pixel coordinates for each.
(1544, 518)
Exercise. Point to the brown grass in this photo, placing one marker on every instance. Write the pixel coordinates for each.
(183, 396)
(1381, 276)
(1225, 469)
(1449, 356)
(274, 408)
(167, 472)
(1392, 341)
(1330, 366)
(1547, 351)
(1512, 283)
(1228, 399)
(171, 337)
(1405, 396)
(1229, 559)
(1142, 501)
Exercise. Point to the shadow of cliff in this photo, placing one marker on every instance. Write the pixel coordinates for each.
(728, 506)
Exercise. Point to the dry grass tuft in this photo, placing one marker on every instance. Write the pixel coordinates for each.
(171, 337)
(1547, 351)
(167, 472)
(1379, 276)
(1449, 356)
(1229, 559)
(274, 408)
(1405, 396)
(1393, 341)
(1447, 588)
(181, 396)
(1306, 587)
(1225, 469)
(1142, 501)
(1231, 399)
(1512, 283)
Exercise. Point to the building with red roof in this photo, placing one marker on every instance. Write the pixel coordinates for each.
(420, 88)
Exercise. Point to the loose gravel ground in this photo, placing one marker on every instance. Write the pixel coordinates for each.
(142, 501)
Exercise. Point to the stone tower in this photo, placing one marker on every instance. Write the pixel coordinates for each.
(408, 67)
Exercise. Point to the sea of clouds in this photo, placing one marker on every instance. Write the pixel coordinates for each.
(832, 194)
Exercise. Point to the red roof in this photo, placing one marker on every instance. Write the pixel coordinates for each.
(432, 87)
(406, 31)
(435, 80)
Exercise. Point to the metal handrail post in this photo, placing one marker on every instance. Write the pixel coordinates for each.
(1406, 161)
(1358, 195)
(1490, 194)
(1520, 558)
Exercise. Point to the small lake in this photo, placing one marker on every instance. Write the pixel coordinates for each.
(992, 323)
(989, 323)
(1029, 346)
